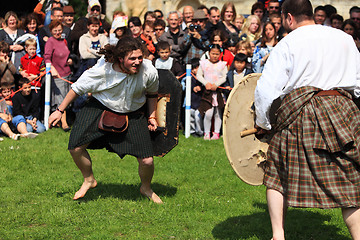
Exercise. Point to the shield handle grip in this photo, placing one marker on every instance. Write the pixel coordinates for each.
(248, 132)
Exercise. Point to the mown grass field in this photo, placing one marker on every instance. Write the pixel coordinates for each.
(203, 198)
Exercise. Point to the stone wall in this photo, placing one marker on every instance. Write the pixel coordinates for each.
(139, 7)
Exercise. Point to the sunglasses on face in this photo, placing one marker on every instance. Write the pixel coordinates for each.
(95, 9)
(158, 29)
(354, 18)
(272, 7)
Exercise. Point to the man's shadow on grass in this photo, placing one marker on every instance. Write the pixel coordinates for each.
(299, 225)
(124, 191)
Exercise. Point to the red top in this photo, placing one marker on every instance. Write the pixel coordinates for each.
(227, 56)
(32, 65)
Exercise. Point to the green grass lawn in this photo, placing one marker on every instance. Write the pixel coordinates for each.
(203, 198)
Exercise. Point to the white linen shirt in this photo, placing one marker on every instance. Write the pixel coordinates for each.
(312, 55)
(118, 91)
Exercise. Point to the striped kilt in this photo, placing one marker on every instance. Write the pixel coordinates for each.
(313, 158)
(134, 141)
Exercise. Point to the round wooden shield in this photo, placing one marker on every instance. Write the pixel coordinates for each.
(246, 154)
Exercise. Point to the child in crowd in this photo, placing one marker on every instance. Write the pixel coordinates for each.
(239, 69)
(31, 65)
(212, 73)
(196, 122)
(167, 62)
(245, 47)
(7, 68)
(217, 37)
(5, 120)
(26, 108)
(7, 94)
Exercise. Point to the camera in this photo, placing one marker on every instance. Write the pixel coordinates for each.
(194, 27)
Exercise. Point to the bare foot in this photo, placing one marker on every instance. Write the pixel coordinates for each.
(151, 195)
(84, 188)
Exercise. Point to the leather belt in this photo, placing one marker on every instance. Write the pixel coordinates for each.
(328, 93)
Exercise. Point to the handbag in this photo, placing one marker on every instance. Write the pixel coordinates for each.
(113, 122)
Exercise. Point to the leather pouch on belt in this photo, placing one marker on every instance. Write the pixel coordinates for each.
(113, 122)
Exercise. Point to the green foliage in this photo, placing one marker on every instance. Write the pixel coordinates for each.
(203, 198)
(80, 7)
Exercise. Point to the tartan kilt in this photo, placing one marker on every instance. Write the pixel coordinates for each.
(134, 141)
(314, 160)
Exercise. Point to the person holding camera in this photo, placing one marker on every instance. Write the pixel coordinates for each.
(196, 41)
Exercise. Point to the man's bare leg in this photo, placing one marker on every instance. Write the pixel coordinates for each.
(146, 172)
(277, 210)
(83, 162)
(351, 218)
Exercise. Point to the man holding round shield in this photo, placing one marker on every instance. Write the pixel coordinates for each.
(314, 156)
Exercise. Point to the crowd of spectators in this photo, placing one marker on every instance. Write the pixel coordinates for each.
(221, 46)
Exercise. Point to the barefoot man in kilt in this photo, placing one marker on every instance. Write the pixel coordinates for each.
(121, 83)
(314, 157)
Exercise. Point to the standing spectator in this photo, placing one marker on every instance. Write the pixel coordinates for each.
(26, 107)
(214, 17)
(149, 39)
(44, 18)
(239, 21)
(166, 62)
(228, 14)
(349, 26)
(159, 14)
(118, 29)
(188, 14)
(94, 10)
(159, 28)
(7, 68)
(57, 53)
(258, 9)
(90, 44)
(134, 25)
(10, 34)
(262, 50)
(336, 21)
(319, 15)
(355, 16)
(31, 64)
(251, 30)
(175, 36)
(45, 32)
(212, 74)
(31, 26)
(196, 41)
(273, 7)
(69, 17)
(329, 11)
(149, 16)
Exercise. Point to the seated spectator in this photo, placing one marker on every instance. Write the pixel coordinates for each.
(263, 49)
(149, 39)
(218, 38)
(159, 28)
(31, 64)
(175, 36)
(5, 120)
(167, 62)
(239, 69)
(7, 68)
(228, 14)
(319, 15)
(134, 25)
(118, 29)
(251, 30)
(26, 108)
(7, 94)
(336, 21)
